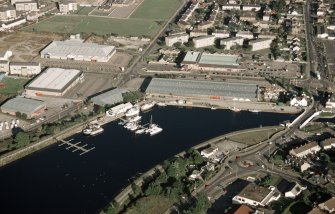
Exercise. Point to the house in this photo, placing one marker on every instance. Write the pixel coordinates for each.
(171, 40)
(306, 149)
(204, 41)
(294, 191)
(26, 6)
(230, 42)
(328, 144)
(66, 6)
(7, 12)
(298, 102)
(208, 152)
(328, 205)
(241, 209)
(26, 69)
(196, 174)
(255, 195)
(260, 44)
(251, 7)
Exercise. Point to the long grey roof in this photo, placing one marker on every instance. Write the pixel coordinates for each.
(202, 88)
(23, 105)
(64, 48)
(110, 97)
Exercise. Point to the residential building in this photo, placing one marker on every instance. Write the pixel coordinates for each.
(204, 41)
(306, 149)
(255, 195)
(260, 44)
(299, 102)
(196, 174)
(221, 34)
(13, 2)
(30, 107)
(251, 7)
(13, 23)
(230, 42)
(328, 144)
(66, 6)
(231, 7)
(26, 69)
(241, 209)
(248, 16)
(328, 205)
(197, 33)
(245, 34)
(26, 6)
(209, 152)
(7, 12)
(294, 191)
(77, 50)
(4, 66)
(54, 82)
(173, 39)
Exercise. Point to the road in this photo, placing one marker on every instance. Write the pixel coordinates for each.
(131, 71)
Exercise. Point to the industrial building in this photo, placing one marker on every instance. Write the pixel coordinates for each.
(202, 89)
(204, 41)
(260, 44)
(109, 98)
(26, 69)
(30, 107)
(211, 62)
(54, 82)
(75, 49)
(171, 40)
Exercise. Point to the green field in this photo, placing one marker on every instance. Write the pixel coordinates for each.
(151, 205)
(84, 10)
(156, 9)
(13, 85)
(98, 25)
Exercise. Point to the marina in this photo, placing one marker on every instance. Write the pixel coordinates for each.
(86, 183)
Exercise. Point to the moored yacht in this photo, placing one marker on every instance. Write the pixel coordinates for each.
(148, 106)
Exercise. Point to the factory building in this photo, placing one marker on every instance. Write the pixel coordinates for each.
(30, 107)
(26, 69)
(54, 82)
(75, 49)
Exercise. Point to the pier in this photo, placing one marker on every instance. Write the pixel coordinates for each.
(76, 146)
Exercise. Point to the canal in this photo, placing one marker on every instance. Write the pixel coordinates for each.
(56, 180)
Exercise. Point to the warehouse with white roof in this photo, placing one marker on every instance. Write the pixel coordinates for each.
(78, 50)
(54, 82)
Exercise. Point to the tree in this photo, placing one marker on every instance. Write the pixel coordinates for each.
(200, 206)
(18, 114)
(136, 190)
(154, 188)
(189, 44)
(22, 138)
(177, 45)
(274, 48)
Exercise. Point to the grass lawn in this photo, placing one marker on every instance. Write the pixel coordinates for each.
(98, 25)
(151, 205)
(156, 9)
(84, 10)
(256, 136)
(13, 85)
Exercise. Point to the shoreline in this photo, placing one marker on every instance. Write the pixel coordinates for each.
(123, 197)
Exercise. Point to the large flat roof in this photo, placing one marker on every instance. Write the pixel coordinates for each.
(192, 56)
(110, 97)
(217, 59)
(202, 88)
(77, 48)
(254, 192)
(23, 105)
(54, 79)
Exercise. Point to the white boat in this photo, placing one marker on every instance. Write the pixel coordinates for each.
(134, 127)
(135, 119)
(213, 108)
(148, 106)
(133, 112)
(154, 129)
(119, 109)
(254, 111)
(140, 131)
(93, 129)
(161, 104)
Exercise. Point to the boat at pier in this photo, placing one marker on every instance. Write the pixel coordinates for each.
(134, 111)
(161, 104)
(140, 131)
(148, 106)
(135, 119)
(153, 128)
(93, 129)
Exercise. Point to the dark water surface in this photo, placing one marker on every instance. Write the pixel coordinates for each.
(56, 180)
